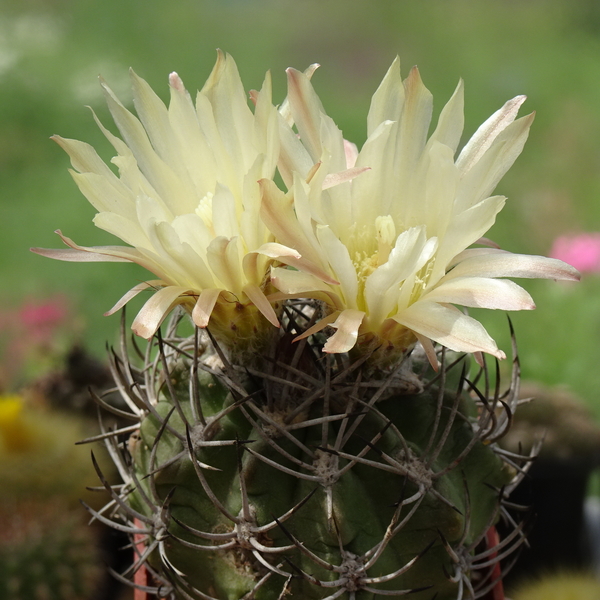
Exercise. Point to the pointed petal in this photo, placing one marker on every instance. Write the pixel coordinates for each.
(91, 253)
(134, 291)
(154, 117)
(482, 292)
(204, 307)
(388, 100)
(338, 257)
(293, 156)
(416, 118)
(487, 133)
(275, 250)
(233, 117)
(69, 255)
(451, 121)
(306, 111)
(296, 282)
(334, 179)
(429, 351)
(285, 109)
(153, 313)
(347, 325)
(351, 151)
(449, 327)
(258, 298)
(158, 173)
(506, 264)
(483, 176)
(277, 212)
(318, 326)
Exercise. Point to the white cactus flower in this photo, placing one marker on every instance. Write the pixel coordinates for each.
(391, 226)
(187, 199)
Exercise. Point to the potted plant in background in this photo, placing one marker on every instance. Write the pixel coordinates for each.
(557, 483)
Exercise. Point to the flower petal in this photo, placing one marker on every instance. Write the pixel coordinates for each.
(152, 314)
(429, 349)
(258, 298)
(449, 327)
(506, 264)
(204, 306)
(338, 257)
(334, 179)
(277, 211)
(347, 325)
(70, 255)
(291, 281)
(451, 121)
(91, 253)
(388, 99)
(481, 292)
(484, 175)
(318, 326)
(133, 292)
(487, 133)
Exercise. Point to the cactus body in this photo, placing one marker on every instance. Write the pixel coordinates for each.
(47, 553)
(294, 475)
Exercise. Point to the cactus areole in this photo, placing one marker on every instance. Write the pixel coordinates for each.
(306, 421)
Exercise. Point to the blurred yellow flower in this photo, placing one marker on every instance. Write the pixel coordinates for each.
(390, 226)
(15, 436)
(186, 200)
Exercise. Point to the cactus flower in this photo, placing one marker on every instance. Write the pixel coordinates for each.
(396, 237)
(186, 200)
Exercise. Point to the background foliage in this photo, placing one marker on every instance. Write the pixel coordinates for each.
(51, 52)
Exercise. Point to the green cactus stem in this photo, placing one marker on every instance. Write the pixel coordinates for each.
(307, 476)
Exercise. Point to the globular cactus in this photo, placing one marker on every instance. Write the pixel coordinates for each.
(47, 550)
(47, 553)
(33, 442)
(302, 447)
(301, 475)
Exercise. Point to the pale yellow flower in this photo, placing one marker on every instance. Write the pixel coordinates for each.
(391, 226)
(186, 199)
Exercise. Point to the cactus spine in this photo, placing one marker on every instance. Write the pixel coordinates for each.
(296, 474)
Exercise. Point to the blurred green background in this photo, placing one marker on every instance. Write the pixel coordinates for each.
(51, 52)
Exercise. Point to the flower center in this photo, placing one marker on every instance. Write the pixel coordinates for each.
(364, 261)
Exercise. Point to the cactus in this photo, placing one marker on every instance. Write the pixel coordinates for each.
(300, 475)
(47, 553)
(33, 442)
(317, 433)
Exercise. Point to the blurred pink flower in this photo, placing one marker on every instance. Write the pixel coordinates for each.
(582, 251)
(45, 314)
(32, 335)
